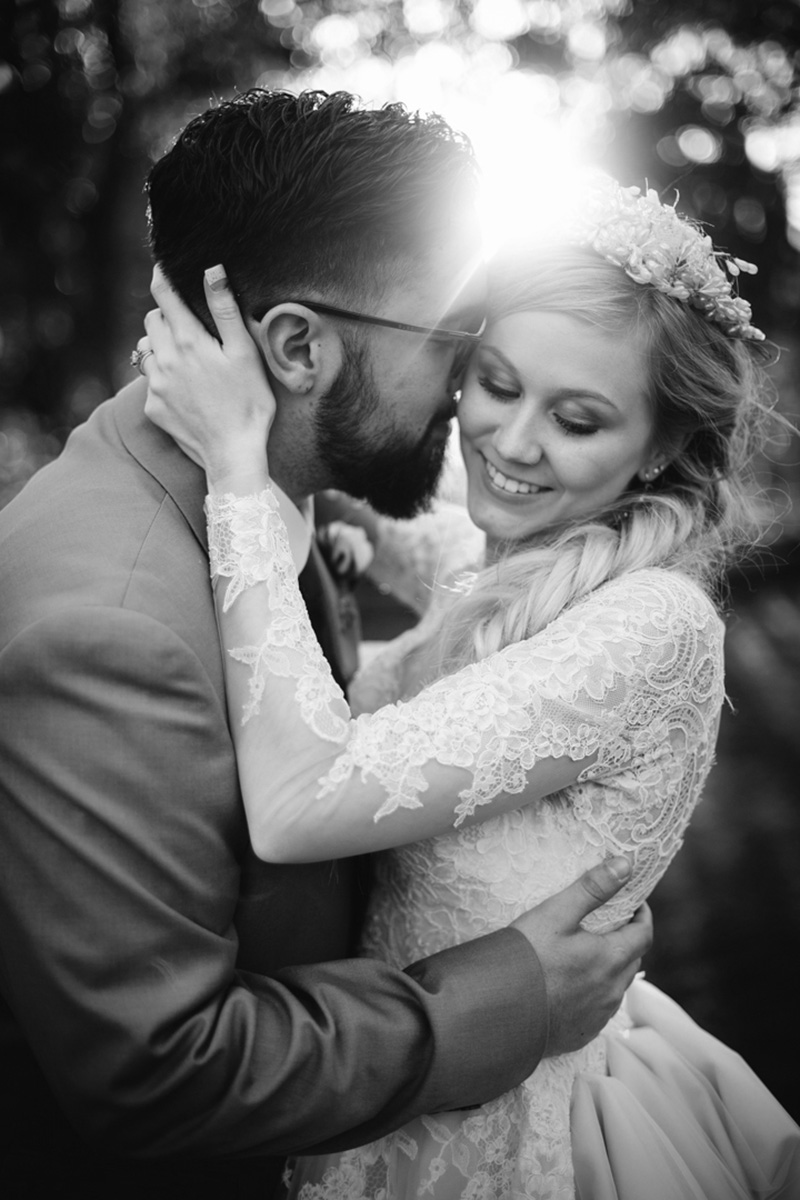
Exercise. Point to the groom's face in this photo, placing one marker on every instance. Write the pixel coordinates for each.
(382, 429)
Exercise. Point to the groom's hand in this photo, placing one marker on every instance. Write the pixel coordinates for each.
(586, 973)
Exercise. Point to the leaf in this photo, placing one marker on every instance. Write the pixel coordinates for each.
(438, 1131)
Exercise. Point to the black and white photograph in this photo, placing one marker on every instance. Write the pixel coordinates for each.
(400, 599)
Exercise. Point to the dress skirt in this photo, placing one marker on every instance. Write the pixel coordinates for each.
(678, 1116)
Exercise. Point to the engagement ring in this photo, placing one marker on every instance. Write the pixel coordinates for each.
(137, 359)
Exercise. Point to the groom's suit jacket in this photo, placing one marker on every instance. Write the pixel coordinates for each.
(169, 997)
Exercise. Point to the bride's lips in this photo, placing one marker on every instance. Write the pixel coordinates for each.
(508, 485)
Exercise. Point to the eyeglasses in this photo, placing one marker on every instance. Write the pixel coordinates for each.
(437, 332)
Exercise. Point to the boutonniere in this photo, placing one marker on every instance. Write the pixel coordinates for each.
(347, 551)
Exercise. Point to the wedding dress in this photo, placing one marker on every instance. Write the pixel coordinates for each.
(653, 1108)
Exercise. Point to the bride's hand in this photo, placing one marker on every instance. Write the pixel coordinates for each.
(212, 397)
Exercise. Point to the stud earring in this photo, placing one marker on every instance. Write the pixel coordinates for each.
(650, 474)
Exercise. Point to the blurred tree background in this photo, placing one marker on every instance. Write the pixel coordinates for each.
(695, 96)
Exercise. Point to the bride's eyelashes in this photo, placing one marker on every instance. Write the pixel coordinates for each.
(578, 428)
(495, 390)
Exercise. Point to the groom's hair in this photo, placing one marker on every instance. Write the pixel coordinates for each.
(298, 192)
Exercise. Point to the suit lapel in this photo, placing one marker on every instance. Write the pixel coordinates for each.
(180, 478)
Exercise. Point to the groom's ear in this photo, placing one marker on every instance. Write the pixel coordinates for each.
(301, 351)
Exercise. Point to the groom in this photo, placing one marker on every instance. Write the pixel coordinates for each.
(182, 1016)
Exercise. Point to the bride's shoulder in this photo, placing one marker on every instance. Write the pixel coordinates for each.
(659, 590)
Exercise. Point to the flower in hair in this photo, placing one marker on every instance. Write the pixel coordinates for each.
(655, 245)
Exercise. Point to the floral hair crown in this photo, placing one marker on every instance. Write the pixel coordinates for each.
(655, 245)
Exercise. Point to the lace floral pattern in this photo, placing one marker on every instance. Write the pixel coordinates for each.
(603, 680)
(648, 648)
(248, 545)
(513, 1147)
(629, 679)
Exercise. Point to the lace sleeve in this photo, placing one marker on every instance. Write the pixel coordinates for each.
(588, 697)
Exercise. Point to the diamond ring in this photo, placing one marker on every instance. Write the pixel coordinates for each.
(137, 359)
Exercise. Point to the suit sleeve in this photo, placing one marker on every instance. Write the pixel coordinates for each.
(120, 876)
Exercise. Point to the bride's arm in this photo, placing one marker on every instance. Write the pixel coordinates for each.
(316, 783)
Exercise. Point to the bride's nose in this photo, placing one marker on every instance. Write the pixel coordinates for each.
(517, 438)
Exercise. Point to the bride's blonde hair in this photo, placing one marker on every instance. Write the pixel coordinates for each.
(707, 398)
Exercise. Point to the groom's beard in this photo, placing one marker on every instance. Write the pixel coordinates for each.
(395, 473)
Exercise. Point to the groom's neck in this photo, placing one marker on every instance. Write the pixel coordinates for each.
(294, 462)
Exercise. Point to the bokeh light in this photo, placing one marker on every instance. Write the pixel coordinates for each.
(699, 144)
(548, 90)
(540, 133)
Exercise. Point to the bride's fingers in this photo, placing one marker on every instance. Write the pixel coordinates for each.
(225, 310)
(186, 329)
(182, 322)
(160, 338)
(158, 331)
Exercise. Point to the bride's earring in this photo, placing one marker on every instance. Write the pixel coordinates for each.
(649, 474)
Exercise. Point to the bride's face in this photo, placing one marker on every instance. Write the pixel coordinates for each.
(554, 422)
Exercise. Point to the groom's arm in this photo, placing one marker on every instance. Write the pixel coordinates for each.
(120, 876)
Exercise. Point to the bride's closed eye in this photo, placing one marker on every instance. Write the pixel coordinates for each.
(580, 428)
(494, 389)
(508, 393)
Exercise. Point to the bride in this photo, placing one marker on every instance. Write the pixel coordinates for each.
(558, 704)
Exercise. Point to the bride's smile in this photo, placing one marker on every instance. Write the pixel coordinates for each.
(508, 485)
